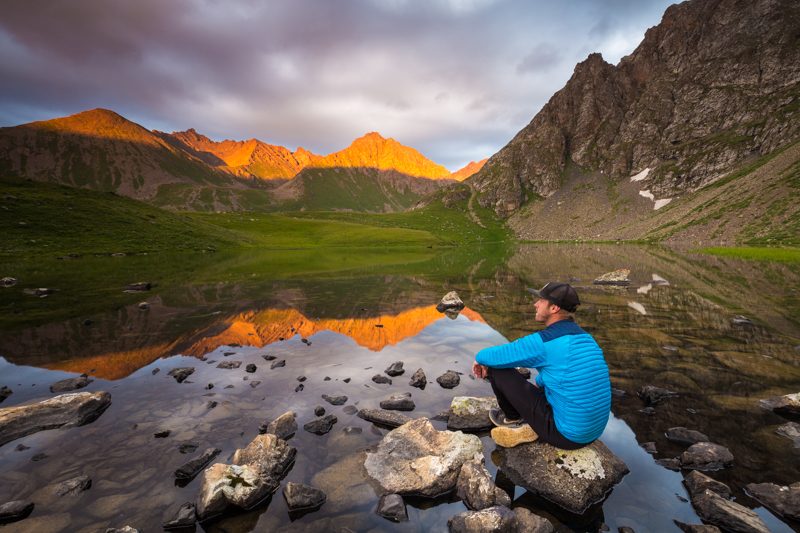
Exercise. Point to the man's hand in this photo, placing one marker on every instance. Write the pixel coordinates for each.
(479, 371)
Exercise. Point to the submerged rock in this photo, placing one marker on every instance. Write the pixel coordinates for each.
(788, 404)
(14, 511)
(184, 518)
(73, 486)
(319, 410)
(728, 515)
(697, 528)
(783, 501)
(5, 392)
(124, 529)
(571, 479)
(277, 364)
(706, 456)
(398, 402)
(419, 379)
(528, 522)
(381, 379)
(383, 417)
(449, 380)
(476, 488)
(71, 384)
(321, 425)
(66, 410)
(615, 277)
(450, 301)
(300, 497)
(335, 400)
(395, 369)
(392, 507)
(284, 426)
(228, 365)
(189, 470)
(470, 413)
(180, 374)
(696, 482)
(649, 447)
(790, 430)
(682, 435)
(651, 395)
(497, 519)
(417, 459)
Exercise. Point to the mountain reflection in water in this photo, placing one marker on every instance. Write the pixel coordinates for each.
(679, 335)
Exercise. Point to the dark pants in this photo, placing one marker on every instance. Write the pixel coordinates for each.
(519, 398)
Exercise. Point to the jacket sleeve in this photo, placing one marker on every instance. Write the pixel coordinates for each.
(526, 352)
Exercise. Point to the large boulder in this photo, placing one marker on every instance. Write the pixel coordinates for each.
(417, 459)
(450, 301)
(476, 488)
(783, 501)
(255, 474)
(470, 413)
(706, 456)
(66, 410)
(728, 515)
(282, 427)
(573, 479)
(788, 404)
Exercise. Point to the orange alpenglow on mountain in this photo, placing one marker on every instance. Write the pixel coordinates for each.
(471, 168)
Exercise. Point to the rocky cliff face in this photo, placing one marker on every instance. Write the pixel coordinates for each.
(714, 84)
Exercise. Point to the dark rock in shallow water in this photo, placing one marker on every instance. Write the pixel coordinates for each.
(395, 369)
(138, 286)
(155, 371)
(682, 435)
(696, 482)
(527, 522)
(419, 379)
(229, 386)
(161, 434)
(673, 463)
(497, 519)
(229, 364)
(5, 392)
(728, 515)
(470, 414)
(651, 395)
(350, 409)
(706, 456)
(476, 488)
(184, 518)
(335, 400)
(70, 384)
(398, 402)
(268, 357)
(284, 426)
(124, 529)
(649, 411)
(72, 486)
(22, 448)
(65, 410)
(188, 447)
(381, 379)
(450, 301)
(571, 479)
(449, 379)
(697, 528)
(301, 378)
(250, 368)
(180, 374)
(319, 410)
(299, 387)
(255, 383)
(783, 501)
(790, 430)
(190, 469)
(211, 404)
(15, 510)
(392, 507)
(346, 380)
(383, 417)
(649, 447)
(321, 425)
(787, 405)
(277, 364)
(39, 457)
(300, 497)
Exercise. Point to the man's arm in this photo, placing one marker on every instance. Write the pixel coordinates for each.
(526, 352)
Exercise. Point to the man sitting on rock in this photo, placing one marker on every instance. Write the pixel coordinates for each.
(568, 406)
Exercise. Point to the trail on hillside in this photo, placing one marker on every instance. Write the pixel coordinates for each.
(472, 214)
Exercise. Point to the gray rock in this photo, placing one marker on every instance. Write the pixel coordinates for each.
(616, 277)
(497, 519)
(697, 528)
(381, 379)
(706, 456)
(124, 529)
(73, 486)
(392, 507)
(450, 301)
(790, 430)
(299, 387)
(180, 374)
(277, 364)
(228, 365)
(572, 479)
(190, 469)
(682, 435)
(788, 404)
(651, 395)
(268, 357)
(14, 511)
(449, 380)
(728, 515)
(300, 497)
(184, 518)
(476, 488)
(350, 409)
(416, 459)
(649, 447)
(319, 410)
(398, 402)
(696, 482)
(528, 522)
(66, 410)
(383, 417)
(469, 413)
(5, 392)
(395, 369)
(284, 426)
(672, 463)
(335, 400)
(8, 281)
(783, 501)
(139, 286)
(251, 368)
(255, 383)
(70, 384)
(321, 425)
(255, 474)
(419, 379)
(740, 320)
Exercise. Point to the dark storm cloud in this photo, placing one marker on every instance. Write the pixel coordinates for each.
(456, 79)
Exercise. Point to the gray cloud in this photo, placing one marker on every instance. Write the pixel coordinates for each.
(455, 79)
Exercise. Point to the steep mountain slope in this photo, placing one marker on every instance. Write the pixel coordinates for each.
(471, 168)
(714, 84)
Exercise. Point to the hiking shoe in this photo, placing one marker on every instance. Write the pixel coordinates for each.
(499, 418)
(508, 437)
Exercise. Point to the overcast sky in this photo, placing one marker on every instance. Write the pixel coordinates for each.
(455, 79)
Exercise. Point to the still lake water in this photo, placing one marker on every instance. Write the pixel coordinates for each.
(361, 311)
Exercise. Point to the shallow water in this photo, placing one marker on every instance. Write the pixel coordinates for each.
(359, 321)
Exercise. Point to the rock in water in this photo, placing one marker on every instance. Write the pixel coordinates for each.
(284, 426)
(229, 364)
(124, 529)
(180, 374)
(706, 456)
(528, 522)
(70, 384)
(572, 479)
(790, 430)
(335, 400)
(697, 528)
(184, 518)
(139, 286)
(419, 379)
(783, 405)
(66, 410)
(392, 507)
(300, 497)
(497, 519)
(250, 368)
(616, 277)
(190, 469)
(417, 459)
(255, 474)
(476, 488)
(395, 369)
(450, 301)
(383, 417)
(696, 482)
(728, 515)
(470, 413)
(449, 380)
(381, 379)
(682, 435)
(15, 510)
(277, 364)
(783, 501)
(398, 402)
(5, 392)
(72, 486)
(652, 395)
(321, 425)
